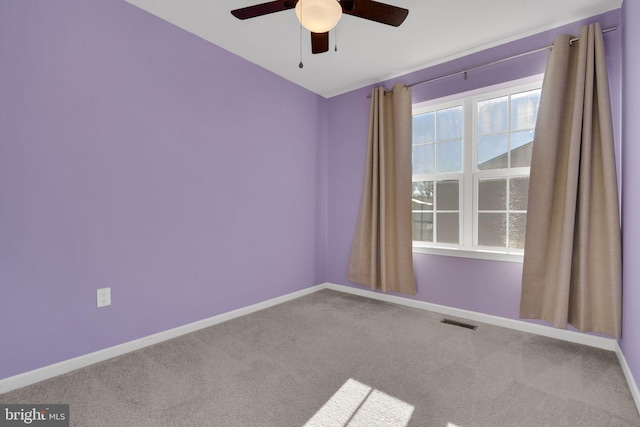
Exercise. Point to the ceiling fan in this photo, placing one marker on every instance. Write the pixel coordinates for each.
(320, 16)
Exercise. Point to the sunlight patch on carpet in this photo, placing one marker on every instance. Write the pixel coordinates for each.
(356, 404)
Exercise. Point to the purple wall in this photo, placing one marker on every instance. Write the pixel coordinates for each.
(630, 342)
(489, 287)
(137, 156)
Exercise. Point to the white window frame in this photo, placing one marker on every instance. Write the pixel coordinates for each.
(469, 178)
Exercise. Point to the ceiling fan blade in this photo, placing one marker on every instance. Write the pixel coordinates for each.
(263, 9)
(319, 42)
(375, 11)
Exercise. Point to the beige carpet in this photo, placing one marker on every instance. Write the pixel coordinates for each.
(334, 359)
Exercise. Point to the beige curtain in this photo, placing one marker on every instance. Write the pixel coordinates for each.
(572, 262)
(381, 254)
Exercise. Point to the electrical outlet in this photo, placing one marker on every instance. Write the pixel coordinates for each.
(104, 297)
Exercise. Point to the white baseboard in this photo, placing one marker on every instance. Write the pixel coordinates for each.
(575, 337)
(633, 386)
(46, 372)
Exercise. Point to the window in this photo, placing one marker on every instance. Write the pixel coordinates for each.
(471, 160)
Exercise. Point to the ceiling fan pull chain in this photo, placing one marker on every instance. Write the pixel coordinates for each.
(300, 65)
(335, 35)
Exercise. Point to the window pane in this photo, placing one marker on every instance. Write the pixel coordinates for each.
(517, 226)
(422, 196)
(518, 193)
(492, 152)
(492, 116)
(424, 159)
(524, 109)
(492, 229)
(422, 223)
(521, 146)
(448, 228)
(424, 128)
(449, 156)
(521, 138)
(447, 197)
(492, 194)
(450, 123)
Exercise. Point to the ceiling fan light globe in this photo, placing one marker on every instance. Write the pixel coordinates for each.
(318, 16)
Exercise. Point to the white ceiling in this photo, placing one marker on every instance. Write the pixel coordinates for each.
(368, 52)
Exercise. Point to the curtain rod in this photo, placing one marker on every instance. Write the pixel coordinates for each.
(477, 67)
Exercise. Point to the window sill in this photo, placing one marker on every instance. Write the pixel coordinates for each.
(469, 253)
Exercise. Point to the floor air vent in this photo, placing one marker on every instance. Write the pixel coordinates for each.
(456, 323)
